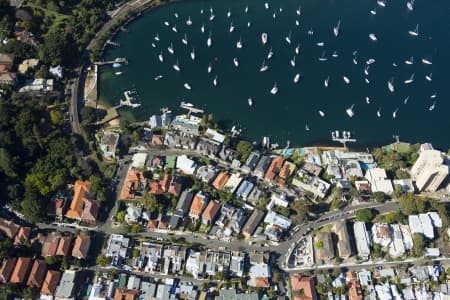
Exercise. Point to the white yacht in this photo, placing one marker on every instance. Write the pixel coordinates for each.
(310, 31)
(193, 54)
(373, 11)
(299, 11)
(293, 61)
(355, 62)
(174, 28)
(239, 44)
(209, 41)
(202, 29)
(264, 67)
(231, 29)
(405, 101)
(297, 23)
(297, 49)
(274, 89)
(266, 5)
(184, 39)
(323, 58)
(250, 102)
(189, 21)
(187, 104)
(409, 80)
(410, 61)
(153, 45)
(320, 44)
(246, 9)
(326, 82)
(170, 49)
(158, 77)
(228, 14)
(366, 80)
(426, 61)
(288, 37)
(367, 100)
(306, 127)
(249, 24)
(373, 37)
(390, 85)
(176, 67)
(264, 38)
(236, 62)
(212, 17)
(215, 81)
(335, 54)
(336, 28)
(156, 37)
(414, 32)
(270, 54)
(433, 96)
(370, 61)
(394, 64)
(429, 77)
(118, 73)
(297, 78)
(394, 114)
(187, 86)
(274, 15)
(379, 113)
(349, 111)
(209, 68)
(166, 23)
(321, 113)
(381, 3)
(161, 57)
(176, 15)
(366, 70)
(346, 79)
(432, 106)
(410, 5)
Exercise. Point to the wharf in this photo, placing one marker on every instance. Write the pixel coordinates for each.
(120, 60)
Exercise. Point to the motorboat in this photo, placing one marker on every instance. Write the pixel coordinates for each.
(321, 113)
(156, 37)
(228, 14)
(366, 80)
(264, 38)
(310, 31)
(209, 68)
(161, 57)
(432, 106)
(215, 81)
(193, 54)
(346, 79)
(176, 15)
(170, 49)
(153, 45)
(433, 96)
(323, 58)
(426, 61)
(297, 23)
(270, 54)
(274, 15)
(249, 24)
(394, 114)
(306, 127)
(367, 100)
(370, 61)
(209, 41)
(297, 49)
(320, 44)
(158, 77)
(189, 21)
(366, 70)
(274, 89)
(410, 61)
(166, 23)
(264, 67)
(266, 5)
(414, 32)
(246, 9)
(236, 62)
(381, 3)
(429, 77)
(239, 44)
(355, 61)
(250, 102)
(288, 37)
(336, 28)
(326, 81)
(176, 67)
(118, 73)
(231, 29)
(390, 85)
(212, 17)
(373, 37)
(174, 28)
(409, 80)
(299, 11)
(394, 64)
(297, 78)
(350, 111)
(335, 54)
(187, 86)
(379, 113)
(410, 5)
(187, 104)
(373, 12)
(202, 29)
(184, 39)
(293, 61)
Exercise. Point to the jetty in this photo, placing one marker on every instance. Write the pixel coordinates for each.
(119, 60)
(127, 102)
(115, 44)
(343, 139)
(191, 108)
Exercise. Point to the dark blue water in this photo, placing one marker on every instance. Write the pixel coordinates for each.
(284, 116)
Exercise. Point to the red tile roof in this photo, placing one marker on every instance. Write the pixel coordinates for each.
(81, 247)
(305, 285)
(6, 269)
(81, 189)
(50, 282)
(21, 270)
(221, 180)
(274, 168)
(22, 236)
(211, 211)
(64, 246)
(125, 294)
(131, 184)
(90, 211)
(37, 273)
(262, 282)
(198, 203)
(9, 228)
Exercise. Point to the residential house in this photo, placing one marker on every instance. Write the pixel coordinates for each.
(362, 239)
(138, 160)
(287, 170)
(262, 166)
(8, 78)
(208, 147)
(7, 268)
(81, 192)
(214, 135)
(20, 273)
(182, 208)
(252, 161)
(117, 249)
(278, 199)
(183, 141)
(28, 64)
(66, 286)
(161, 186)
(81, 247)
(252, 223)
(186, 165)
(228, 154)
(64, 246)
(352, 169)
(56, 207)
(260, 275)
(126, 294)
(324, 246)
(237, 263)
(303, 287)
(221, 180)
(133, 213)
(50, 283)
(343, 243)
(51, 244)
(9, 228)
(206, 173)
(312, 184)
(22, 236)
(186, 126)
(108, 144)
(238, 220)
(354, 290)
(244, 190)
(210, 213)
(37, 85)
(233, 183)
(198, 204)
(6, 62)
(312, 169)
(176, 185)
(37, 274)
(133, 186)
(378, 181)
(90, 211)
(157, 163)
(226, 294)
(274, 168)
(274, 219)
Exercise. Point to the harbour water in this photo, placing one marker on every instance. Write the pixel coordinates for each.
(285, 115)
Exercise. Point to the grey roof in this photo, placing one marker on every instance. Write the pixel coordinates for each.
(232, 294)
(148, 289)
(174, 221)
(184, 203)
(185, 127)
(253, 221)
(66, 285)
(252, 160)
(244, 189)
(262, 166)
